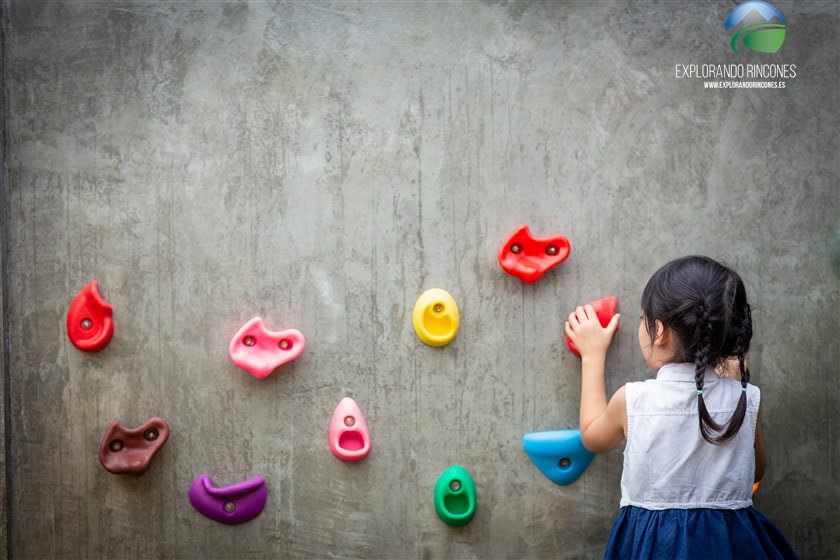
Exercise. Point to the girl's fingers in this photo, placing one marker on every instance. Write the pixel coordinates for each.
(613, 325)
(581, 314)
(590, 312)
(569, 331)
(573, 320)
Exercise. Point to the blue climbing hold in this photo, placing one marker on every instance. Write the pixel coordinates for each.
(559, 454)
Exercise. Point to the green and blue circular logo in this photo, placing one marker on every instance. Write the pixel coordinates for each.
(760, 27)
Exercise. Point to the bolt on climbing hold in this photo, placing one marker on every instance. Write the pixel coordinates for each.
(528, 258)
(348, 435)
(455, 496)
(435, 317)
(260, 351)
(559, 454)
(130, 450)
(90, 323)
(232, 504)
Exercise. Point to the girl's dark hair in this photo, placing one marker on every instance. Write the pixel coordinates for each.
(704, 303)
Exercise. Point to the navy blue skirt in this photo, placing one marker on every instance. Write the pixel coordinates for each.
(684, 534)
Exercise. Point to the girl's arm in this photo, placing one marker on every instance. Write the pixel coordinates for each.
(760, 453)
(602, 424)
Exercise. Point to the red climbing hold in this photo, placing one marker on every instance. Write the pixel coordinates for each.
(605, 310)
(527, 257)
(89, 323)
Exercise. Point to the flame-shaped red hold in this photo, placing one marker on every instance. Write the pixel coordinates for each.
(89, 321)
(605, 310)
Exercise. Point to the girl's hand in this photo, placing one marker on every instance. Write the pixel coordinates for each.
(585, 330)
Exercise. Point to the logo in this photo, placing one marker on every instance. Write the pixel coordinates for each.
(762, 27)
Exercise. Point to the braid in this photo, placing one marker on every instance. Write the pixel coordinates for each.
(703, 347)
(742, 363)
(743, 344)
(743, 334)
(704, 344)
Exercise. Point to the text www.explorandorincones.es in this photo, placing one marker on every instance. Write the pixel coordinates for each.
(744, 85)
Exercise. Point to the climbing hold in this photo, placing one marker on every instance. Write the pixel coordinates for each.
(605, 310)
(755, 487)
(528, 258)
(455, 498)
(436, 319)
(560, 454)
(130, 450)
(231, 505)
(260, 351)
(89, 320)
(348, 435)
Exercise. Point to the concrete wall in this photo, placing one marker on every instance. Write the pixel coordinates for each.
(321, 165)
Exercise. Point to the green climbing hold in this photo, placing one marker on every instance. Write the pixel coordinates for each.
(455, 498)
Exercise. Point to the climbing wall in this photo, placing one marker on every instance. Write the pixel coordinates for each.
(323, 164)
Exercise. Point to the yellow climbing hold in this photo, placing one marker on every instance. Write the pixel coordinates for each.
(436, 318)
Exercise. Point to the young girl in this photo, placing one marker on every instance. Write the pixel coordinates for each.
(694, 444)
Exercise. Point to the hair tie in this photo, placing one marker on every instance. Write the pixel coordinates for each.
(744, 389)
(699, 391)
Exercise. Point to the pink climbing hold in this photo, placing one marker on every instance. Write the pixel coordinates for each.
(349, 437)
(260, 351)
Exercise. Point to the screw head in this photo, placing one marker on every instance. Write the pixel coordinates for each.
(565, 463)
(455, 485)
(86, 324)
(229, 507)
(551, 250)
(349, 421)
(116, 445)
(438, 307)
(151, 434)
(249, 341)
(515, 248)
(285, 344)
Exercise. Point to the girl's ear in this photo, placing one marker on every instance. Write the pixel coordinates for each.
(663, 334)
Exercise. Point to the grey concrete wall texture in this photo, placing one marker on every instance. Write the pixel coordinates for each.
(321, 165)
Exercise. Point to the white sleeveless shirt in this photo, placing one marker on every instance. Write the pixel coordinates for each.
(667, 463)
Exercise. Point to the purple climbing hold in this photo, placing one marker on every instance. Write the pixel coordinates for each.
(231, 505)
